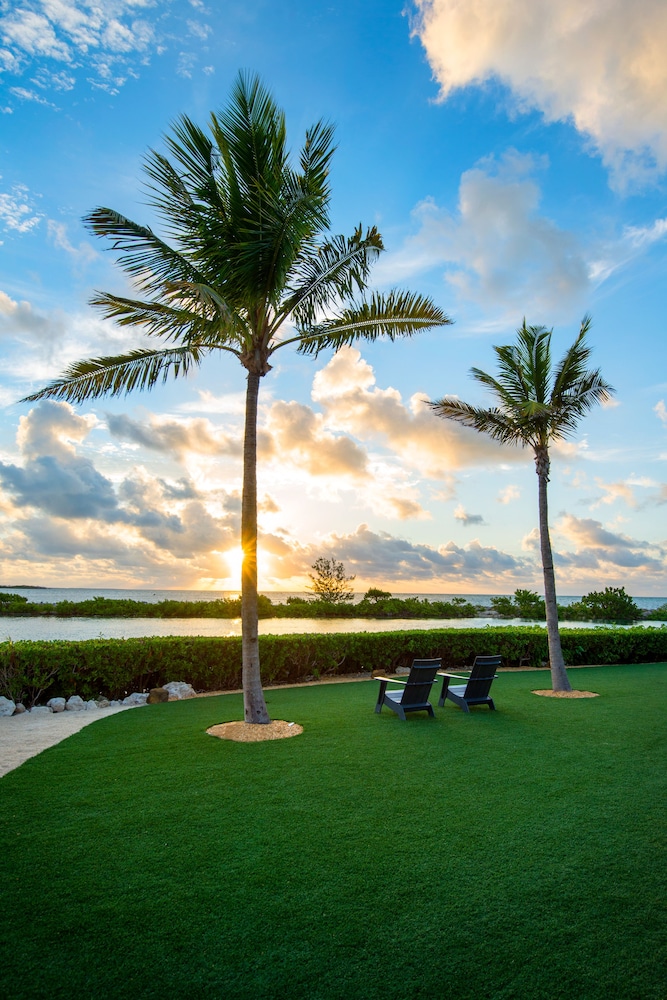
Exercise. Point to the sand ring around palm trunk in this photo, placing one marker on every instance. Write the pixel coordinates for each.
(567, 694)
(250, 732)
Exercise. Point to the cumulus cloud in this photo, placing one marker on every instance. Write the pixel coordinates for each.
(174, 437)
(57, 485)
(374, 556)
(590, 64)
(38, 345)
(299, 434)
(497, 249)
(351, 402)
(597, 547)
(370, 554)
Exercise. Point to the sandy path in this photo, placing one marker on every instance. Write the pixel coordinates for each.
(26, 735)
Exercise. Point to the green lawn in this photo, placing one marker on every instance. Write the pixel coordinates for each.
(509, 854)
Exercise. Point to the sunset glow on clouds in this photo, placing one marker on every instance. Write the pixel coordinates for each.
(514, 157)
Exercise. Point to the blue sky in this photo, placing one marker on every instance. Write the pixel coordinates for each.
(513, 156)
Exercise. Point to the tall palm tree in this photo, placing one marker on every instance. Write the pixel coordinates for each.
(245, 267)
(536, 404)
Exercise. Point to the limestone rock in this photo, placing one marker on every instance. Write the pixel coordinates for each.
(115, 703)
(40, 710)
(91, 705)
(75, 704)
(157, 695)
(56, 704)
(103, 703)
(20, 709)
(7, 707)
(402, 671)
(136, 698)
(179, 689)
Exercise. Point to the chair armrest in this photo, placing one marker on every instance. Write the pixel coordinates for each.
(441, 673)
(390, 680)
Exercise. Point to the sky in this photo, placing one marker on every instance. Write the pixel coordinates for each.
(513, 154)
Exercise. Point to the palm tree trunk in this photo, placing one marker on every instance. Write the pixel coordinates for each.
(559, 678)
(254, 705)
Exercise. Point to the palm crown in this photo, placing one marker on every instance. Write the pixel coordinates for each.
(535, 404)
(244, 253)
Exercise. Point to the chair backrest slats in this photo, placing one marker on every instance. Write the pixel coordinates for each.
(482, 674)
(420, 681)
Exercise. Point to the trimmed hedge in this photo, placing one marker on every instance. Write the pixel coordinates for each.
(31, 671)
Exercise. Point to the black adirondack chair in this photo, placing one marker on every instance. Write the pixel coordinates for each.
(414, 693)
(476, 689)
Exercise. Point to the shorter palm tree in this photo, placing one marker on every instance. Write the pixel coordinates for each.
(536, 404)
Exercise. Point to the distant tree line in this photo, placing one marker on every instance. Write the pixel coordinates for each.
(610, 605)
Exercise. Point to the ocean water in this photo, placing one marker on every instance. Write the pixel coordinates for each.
(51, 595)
(18, 628)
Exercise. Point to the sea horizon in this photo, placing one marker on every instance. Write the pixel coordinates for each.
(39, 594)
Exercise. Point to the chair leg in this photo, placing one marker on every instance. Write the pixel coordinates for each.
(491, 705)
(381, 694)
(443, 692)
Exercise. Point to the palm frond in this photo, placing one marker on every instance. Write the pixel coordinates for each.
(492, 421)
(199, 315)
(118, 375)
(334, 272)
(398, 314)
(142, 254)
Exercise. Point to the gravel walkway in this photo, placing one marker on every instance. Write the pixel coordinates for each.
(26, 735)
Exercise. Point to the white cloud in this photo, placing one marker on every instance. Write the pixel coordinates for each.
(597, 547)
(83, 254)
(379, 557)
(17, 210)
(199, 30)
(351, 402)
(37, 345)
(497, 249)
(24, 94)
(74, 33)
(508, 494)
(661, 411)
(598, 65)
(173, 437)
(62, 505)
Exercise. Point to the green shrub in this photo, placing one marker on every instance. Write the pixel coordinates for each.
(527, 604)
(115, 667)
(609, 605)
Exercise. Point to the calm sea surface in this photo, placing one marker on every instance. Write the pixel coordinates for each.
(17, 628)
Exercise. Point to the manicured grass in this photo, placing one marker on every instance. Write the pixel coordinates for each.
(516, 854)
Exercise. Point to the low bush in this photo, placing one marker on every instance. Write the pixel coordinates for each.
(113, 667)
(609, 605)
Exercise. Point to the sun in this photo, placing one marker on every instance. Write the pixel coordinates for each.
(234, 560)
